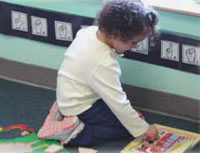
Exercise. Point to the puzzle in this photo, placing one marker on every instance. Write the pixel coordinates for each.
(24, 129)
(170, 140)
(27, 144)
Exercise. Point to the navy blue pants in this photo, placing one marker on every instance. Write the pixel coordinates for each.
(101, 125)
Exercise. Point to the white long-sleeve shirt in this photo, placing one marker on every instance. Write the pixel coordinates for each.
(90, 71)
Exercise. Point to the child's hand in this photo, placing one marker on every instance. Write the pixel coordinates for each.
(152, 133)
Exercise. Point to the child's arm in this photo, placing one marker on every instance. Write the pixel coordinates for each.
(105, 81)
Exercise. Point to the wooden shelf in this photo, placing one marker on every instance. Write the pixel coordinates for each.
(189, 7)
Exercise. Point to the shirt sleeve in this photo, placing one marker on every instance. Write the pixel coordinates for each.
(106, 83)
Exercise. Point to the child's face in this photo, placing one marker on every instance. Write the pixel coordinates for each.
(121, 46)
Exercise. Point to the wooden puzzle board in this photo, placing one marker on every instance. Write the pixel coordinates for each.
(170, 140)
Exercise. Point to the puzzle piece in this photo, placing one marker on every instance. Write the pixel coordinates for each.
(86, 150)
(54, 148)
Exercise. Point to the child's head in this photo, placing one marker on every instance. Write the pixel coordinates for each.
(128, 21)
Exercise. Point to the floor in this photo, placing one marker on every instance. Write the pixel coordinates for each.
(23, 104)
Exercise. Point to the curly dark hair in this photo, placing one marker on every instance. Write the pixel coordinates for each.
(125, 19)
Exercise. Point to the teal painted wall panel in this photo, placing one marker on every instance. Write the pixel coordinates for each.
(31, 52)
(77, 7)
(135, 73)
(160, 78)
(180, 24)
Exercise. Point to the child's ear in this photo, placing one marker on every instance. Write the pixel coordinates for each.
(113, 37)
(116, 35)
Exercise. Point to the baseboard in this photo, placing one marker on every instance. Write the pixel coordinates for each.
(179, 106)
(28, 74)
(151, 100)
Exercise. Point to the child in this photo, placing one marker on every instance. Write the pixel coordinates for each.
(91, 106)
